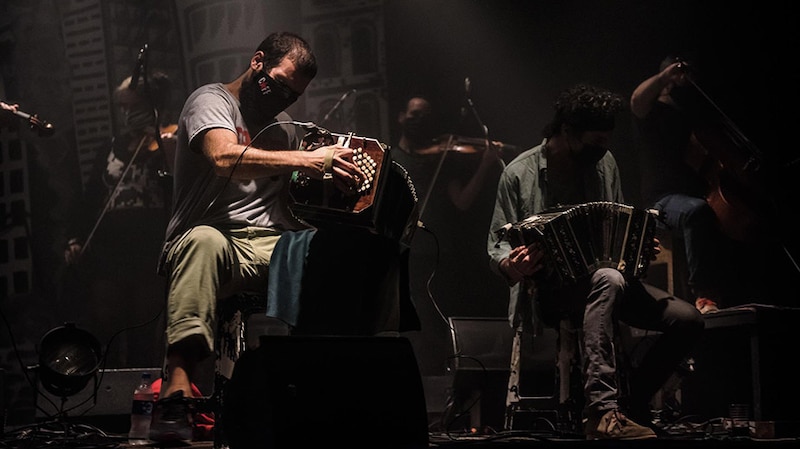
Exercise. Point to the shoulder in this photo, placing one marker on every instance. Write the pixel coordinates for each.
(532, 158)
(210, 106)
(608, 159)
(608, 165)
(210, 93)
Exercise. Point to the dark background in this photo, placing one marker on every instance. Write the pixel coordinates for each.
(518, 56)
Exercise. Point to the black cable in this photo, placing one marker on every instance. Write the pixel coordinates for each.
(241, 155)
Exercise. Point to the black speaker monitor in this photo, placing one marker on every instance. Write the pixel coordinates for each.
(482, 349)
(363, 392)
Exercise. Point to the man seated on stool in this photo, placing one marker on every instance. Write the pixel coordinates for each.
(573, 166)
(236, 151)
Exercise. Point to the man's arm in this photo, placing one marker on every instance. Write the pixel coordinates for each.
(646, 94)
(229, 158)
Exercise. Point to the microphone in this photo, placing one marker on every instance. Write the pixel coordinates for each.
(138, 68)
(467, 99)
(311, 126)
(338, 103)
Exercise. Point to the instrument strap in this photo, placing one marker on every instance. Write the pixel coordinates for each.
(327, 177)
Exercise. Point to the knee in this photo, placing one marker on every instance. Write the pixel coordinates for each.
(203, 241)
(609, 278)
(698, 211)
(687, 319)
(696, 323)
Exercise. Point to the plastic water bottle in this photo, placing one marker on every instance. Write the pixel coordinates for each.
(141, 412)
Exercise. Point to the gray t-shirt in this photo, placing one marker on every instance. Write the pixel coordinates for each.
(202, 197)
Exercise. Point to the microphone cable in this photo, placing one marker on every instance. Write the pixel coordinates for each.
(304, 125)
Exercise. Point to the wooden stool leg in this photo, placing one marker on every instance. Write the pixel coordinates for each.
(512, 395)
(569, 363)
(516, 402)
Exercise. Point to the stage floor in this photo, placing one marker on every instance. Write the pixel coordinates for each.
(716, 434)
(352, 407)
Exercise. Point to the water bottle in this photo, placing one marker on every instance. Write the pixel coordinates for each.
(141, 412)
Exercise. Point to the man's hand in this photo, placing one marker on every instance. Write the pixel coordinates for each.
(656, 248)
(523, 261)
(9, 107)
(336, 162)
(73, 251)
(674, 73)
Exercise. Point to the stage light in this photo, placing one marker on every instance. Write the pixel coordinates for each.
(68, 358)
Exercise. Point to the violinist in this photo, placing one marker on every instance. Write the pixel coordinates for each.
(455, 179)
(117, 226)
(421, 137)
(674, 164)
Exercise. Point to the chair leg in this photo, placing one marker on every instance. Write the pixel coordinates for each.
(512, 395)
(230, 343)
(569, 363)
(540, 406)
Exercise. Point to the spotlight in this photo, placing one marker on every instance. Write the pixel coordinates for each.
(68, 358)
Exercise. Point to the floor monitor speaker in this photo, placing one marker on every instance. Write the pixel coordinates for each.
(482, 361)
(355, 392)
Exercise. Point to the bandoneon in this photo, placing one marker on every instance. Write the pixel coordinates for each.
(580, 239)
(382, 204)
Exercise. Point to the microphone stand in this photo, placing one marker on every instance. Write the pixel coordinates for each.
(449, 145)
(336, 106)
(112, 195)
(474, 110)
(142, 142)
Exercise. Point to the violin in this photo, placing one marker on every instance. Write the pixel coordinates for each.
(466, 145)
(43, 128)
(167, 129)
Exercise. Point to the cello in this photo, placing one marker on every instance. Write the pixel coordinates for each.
(733, 169)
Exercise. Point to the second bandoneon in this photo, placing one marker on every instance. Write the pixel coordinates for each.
(580, 239)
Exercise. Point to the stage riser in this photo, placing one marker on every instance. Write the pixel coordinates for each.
(746, 357)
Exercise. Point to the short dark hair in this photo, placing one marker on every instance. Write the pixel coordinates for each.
(584, 107)
(283, 44)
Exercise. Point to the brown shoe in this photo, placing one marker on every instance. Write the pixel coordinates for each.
(705, 305)
(613, 425)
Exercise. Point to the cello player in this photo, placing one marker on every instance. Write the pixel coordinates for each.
(674, 165)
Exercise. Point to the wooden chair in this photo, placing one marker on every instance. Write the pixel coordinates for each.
(566, 403)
